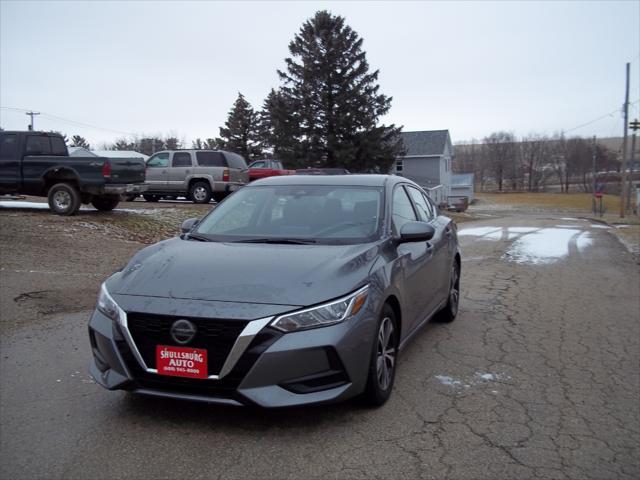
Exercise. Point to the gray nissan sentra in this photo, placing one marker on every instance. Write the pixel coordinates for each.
(294, 290)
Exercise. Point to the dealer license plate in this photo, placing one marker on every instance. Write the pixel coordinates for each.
(181, 361)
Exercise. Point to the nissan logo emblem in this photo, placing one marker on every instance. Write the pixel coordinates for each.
(183, 331)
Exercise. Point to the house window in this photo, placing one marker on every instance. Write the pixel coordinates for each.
(399, 167)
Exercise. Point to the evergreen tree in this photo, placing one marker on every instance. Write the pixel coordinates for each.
(328, 107)
(241, 131)
(172, 143)
(79, 141)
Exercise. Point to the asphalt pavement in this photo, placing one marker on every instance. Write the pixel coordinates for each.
(537, 378)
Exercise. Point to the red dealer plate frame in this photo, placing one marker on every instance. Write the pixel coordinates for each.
(181, 361)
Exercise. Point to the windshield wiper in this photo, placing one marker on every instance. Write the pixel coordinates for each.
(285, 241)
(200, 238)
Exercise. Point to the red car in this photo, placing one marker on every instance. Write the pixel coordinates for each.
(267, 168)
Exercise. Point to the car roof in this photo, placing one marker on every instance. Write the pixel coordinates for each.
(362, 180)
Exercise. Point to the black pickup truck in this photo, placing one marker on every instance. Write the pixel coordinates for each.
(38, 163)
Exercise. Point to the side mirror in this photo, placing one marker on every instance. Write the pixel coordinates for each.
(416, 232)
(187, 225)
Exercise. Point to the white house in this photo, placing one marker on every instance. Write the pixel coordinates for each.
(427, 161)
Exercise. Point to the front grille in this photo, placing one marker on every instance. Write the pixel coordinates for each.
(223, 388)
(215, 335)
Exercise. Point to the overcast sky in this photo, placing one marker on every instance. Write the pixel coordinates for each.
(176, 67)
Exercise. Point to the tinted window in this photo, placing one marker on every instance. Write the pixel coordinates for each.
(8, 146)
(259, 165)
(58, 146)
(235, 161)
(182, 159)
(422, 204)
(38, 145)
(210, 159)
(159, 160)
(402, 209)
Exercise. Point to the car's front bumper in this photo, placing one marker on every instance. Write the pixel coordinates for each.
(321, 365)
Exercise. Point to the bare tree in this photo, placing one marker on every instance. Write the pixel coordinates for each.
(502, 157)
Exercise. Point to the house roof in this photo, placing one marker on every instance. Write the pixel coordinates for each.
(427, 142)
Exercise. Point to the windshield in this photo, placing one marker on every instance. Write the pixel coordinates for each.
(308, 214)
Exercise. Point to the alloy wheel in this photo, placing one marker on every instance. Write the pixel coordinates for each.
(454, 291)
(386, 353)
(199, 193)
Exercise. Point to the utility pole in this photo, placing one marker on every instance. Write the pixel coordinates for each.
(593, 174)
(32, 114)
(624, 147)
(635, 125)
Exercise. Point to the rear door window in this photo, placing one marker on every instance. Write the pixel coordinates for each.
(259, 165)
(181, 159)
(38, 145)
(210, 159)
(58, 146)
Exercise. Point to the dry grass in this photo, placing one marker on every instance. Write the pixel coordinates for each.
(557, 201)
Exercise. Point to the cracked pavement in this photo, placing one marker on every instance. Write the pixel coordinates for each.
(537, 378)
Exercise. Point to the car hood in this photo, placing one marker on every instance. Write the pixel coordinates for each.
(292, 275)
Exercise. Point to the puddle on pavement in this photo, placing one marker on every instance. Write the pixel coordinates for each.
(536, 246)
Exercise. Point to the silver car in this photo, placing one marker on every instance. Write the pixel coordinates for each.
(198, 175)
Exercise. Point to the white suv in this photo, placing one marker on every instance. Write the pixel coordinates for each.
(197, 174)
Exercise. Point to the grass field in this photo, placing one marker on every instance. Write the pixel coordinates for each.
(555, 201)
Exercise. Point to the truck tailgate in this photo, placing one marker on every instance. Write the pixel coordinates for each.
(127, 170)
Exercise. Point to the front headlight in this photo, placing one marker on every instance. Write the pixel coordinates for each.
(326, 314)
(107, 305)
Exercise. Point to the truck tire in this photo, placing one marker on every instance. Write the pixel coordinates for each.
(105, 204)
(151, 198)
(64, 199)
(200, 192)
(130, 197)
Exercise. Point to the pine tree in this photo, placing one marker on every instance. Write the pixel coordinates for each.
(332, 101)
(78, 141)
(241, 131)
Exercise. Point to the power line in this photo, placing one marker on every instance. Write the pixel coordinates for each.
(71, 122)
(610, 114)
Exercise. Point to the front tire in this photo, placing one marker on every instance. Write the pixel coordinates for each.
(200, 192)
(64, 199)
(104, 204)
(382, 365)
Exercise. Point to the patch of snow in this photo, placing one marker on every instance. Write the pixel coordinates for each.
(584, 241)
(480, 231)
(544, 246)
(605, 227)
(30, 205)
(445, 380)
(570, 219)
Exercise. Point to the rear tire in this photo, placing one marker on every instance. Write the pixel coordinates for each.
(383, 361)
(105, 204)
(151, 198)
(64, 199)
(200, 192)
(450, 311)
